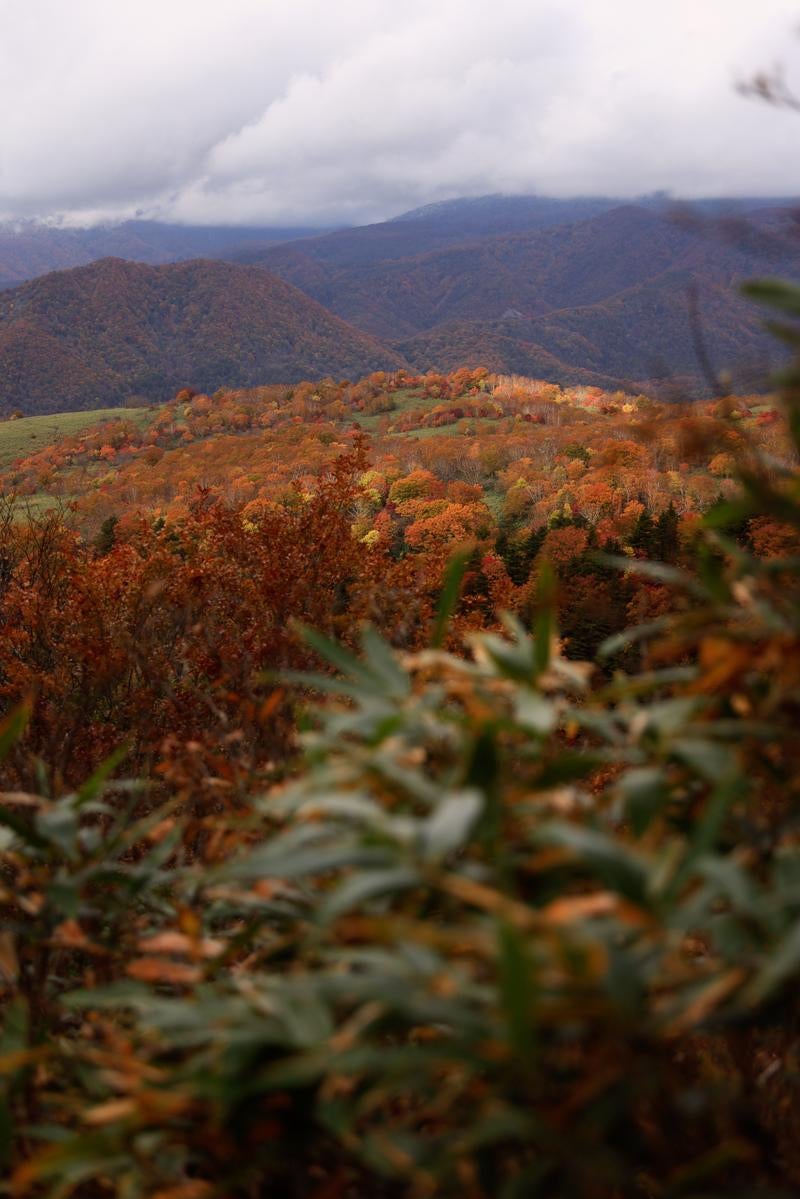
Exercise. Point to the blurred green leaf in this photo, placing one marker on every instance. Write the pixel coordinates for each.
(516, 980)
(781, 966)
(12, 728)
(448, 597)
(610, 860)
(544, 625)
(776, 293)
(353, 891)
(645, 791)
(448, 828)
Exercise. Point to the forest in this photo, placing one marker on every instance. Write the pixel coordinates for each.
(399, 792)
(120, 332)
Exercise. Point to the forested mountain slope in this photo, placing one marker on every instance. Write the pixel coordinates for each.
(434, 227)
(630, 296)
(615, 291)
(647, 335)
(103, 333)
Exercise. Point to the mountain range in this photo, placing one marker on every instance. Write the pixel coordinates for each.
(578, 291)
(30, 248)
(611, 296)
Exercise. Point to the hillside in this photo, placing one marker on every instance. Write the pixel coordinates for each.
(643, 336)
(100, 334)
(31, 248)
(583, 291)
(492, 433)
(613, 288)
(466, 220)
(31, 435)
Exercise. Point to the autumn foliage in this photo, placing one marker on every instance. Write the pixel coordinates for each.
(400, 786)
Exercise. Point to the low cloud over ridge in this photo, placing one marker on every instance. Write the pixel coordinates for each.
(249, 113)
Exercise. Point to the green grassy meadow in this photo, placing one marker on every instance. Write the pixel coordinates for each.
(19, 438)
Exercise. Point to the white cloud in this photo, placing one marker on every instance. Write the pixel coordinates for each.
(251, 111)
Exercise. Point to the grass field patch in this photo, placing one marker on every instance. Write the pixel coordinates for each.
(22, 437)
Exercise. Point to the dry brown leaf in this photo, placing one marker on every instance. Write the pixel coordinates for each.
(11, 1062)
(107, 1113)
(161, 830)
(21, 799)
(707, 1000)
(189, 922)
(161, 970)
(31, 904)
(579, 907)
(70, 933)
(721, 660)
(270, 705)
(9, 964)
(167, 942)
(486, 898)
(266, 888)
(175, 942)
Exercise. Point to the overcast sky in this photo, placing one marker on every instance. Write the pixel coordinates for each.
(323, 111)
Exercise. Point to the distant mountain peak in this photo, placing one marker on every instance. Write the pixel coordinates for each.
(443, 208)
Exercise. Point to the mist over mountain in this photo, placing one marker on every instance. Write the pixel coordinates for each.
(31, 248)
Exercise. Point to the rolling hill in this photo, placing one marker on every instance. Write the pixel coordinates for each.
(104, 333)
(643, 336)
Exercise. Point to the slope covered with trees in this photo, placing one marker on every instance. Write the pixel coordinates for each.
(104, 333)
(629, 296)
(655, 334)
(523, 469)
(435, 227)
(619, 294)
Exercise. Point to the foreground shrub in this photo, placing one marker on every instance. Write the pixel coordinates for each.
(506, 935)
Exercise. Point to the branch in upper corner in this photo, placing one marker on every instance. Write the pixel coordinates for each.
(770, 86)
